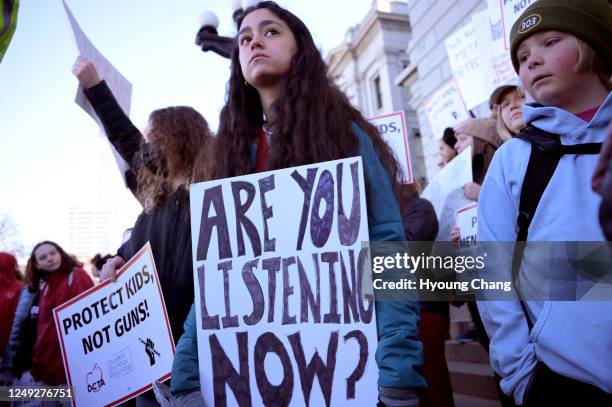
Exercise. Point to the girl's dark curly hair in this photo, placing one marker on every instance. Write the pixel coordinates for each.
(312, 116)
(180, 139)
(34, 275)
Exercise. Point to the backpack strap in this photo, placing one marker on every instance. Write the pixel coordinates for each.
(546, 152)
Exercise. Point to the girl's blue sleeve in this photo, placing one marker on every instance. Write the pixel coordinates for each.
(185, 368)
(399, 354)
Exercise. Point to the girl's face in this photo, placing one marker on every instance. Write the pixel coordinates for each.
(446, 152)
(546, 68)
(463, 141)
(47, 258)
(511, 107)
(266, 46)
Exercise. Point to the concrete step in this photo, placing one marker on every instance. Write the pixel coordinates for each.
(462, 400)
(473, 379)
(471, 352)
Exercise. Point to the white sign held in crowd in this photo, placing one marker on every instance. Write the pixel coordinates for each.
(115, 338)
(392, 128)
(465, 61)
(278, 264)
(496, 63)
(467, 221)
(117, 83)
(511, 10)
(445, 108)
(445, 191)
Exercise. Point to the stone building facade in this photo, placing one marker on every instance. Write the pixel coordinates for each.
(396, 58)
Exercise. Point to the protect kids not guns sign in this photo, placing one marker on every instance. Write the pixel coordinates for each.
(115, 337)
(278, 264)
(392, 128)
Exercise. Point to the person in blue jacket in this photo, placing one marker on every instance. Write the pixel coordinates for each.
(283, 111)
(562, 52)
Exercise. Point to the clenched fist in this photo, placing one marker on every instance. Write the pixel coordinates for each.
(85, 72)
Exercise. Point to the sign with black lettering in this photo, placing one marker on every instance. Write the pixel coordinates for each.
(466, 63)
(392, 128)
(467, 222)
(445, 108)
(278, 265)
(115, 338)
(511, 10)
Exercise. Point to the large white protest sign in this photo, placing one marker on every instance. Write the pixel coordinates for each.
(115, 337)
(445, 108)
(511, 10)
(496, 64)
(465, 61)
(467, 221)
(392, 128)
(445, 191)
(278, 265)
(117, 83)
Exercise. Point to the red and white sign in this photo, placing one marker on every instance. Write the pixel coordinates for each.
(467, 221)
(392, 128)
(115, 338)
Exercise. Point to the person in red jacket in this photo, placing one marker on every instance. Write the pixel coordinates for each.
(59, 277)
(10, 288)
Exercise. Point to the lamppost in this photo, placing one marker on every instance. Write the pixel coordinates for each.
(208, 39)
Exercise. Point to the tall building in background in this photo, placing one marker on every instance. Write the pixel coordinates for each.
(366, 64)
(96, 223)
(90, 230)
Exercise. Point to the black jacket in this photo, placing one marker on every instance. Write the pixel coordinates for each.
(421, 225)
(119, 129)
(419, 219)
(169, 231)
(167, 228)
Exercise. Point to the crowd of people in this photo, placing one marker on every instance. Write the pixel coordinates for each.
(283, 110)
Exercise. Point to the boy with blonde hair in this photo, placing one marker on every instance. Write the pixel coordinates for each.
(552, 352)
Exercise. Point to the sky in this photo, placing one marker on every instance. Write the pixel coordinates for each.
(51, 154)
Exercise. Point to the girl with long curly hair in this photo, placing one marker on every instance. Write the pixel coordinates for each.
(177, 139)
(170, 154)
(52, 278)
(282, 111)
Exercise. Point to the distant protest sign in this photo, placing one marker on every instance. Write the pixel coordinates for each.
(278, 263)
(117, 83)
(392, 128)
(511, 10)
(445, 108)
(115, 338)
(467, 221)
(465, 61)
(496, 64)
(445, 191)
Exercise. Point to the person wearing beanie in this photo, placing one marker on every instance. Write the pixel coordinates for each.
(506, 103)
(446, 146)
(482, 136)
(552, 352)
